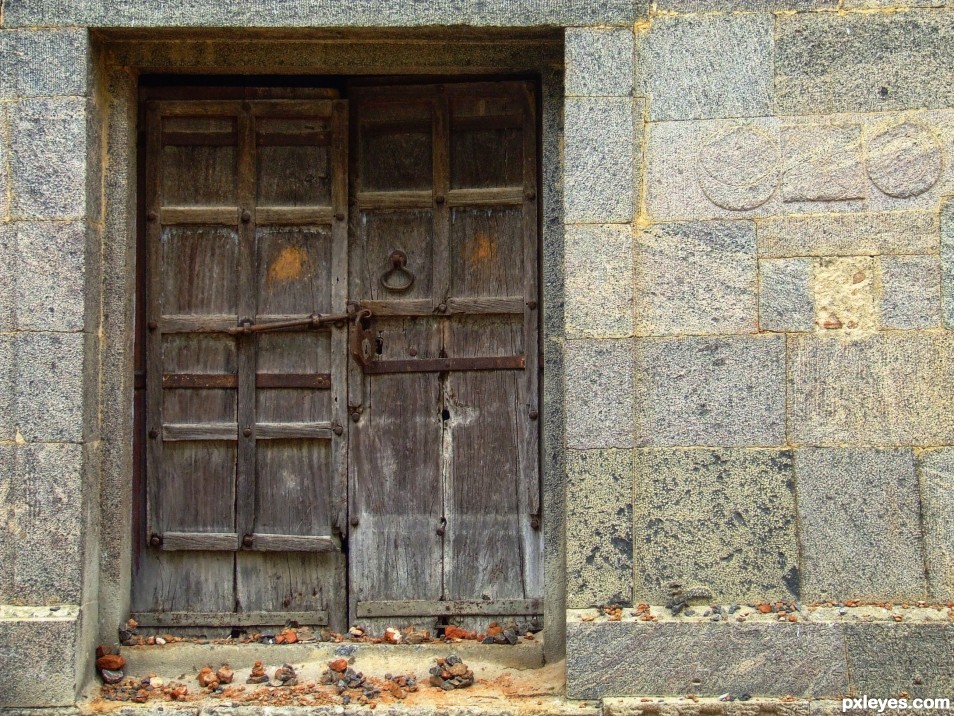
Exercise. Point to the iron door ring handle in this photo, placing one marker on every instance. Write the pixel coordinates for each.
(398, 262)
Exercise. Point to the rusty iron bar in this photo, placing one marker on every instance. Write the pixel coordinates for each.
(315, 320)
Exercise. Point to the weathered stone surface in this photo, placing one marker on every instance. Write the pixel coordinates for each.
(829, 63)
(936, 472)
(49, 386)
(743, 5)
(43, 508)
(905, 232)
(37, 63)
(723, 520)
(947, 262)
(48, 158)
(886, 659)
(599, 528)
(599, 280)
(706, 659)
(4, 161)
(318, 13)
(887, 389)
(599, 62)
(696, 278)
(785, 295)
(844, 291)
(822, 163)
(904, 159)
(706, 67)
(43, 647)
(859, 524)
(50, 276)
(8, 399)
(599, 393)
(710, 391)
(679, 706)
(598, 160)
(910, 291)
(8, 287)
(872, 4)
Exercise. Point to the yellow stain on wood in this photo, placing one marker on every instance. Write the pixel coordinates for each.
(484, 248)
(291, 263)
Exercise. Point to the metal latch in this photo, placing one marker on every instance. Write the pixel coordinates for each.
(315, 320)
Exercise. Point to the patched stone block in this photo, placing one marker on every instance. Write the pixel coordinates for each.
(643, 706)
(8, 398)
(910, 291)
(4, 159)
(859, 524)
(44, 511)
(886, 389)
(901, 232)
(599, 528)
(886, 659)
(49, 386)
(844, 290)
(48, 158)
(43, 647)
(696, 278)
(599, 393)
(710, 391)
(936, 471)
(706, 659)
(319, 13)
(598, 160)
(599, 62)
(706, 67)
(785, 295)
(50, 276)
(37, 63)
(719, 520)
(822, 163)
(827, 63)
(599, 280)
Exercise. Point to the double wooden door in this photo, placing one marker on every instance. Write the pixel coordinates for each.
(341, 359)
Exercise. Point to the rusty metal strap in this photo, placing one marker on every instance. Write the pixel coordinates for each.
(205, 381)
(440, 365)
(459, 607)
(228, 619)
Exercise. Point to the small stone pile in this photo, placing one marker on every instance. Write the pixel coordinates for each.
(451, 673)
(258, 675)
(340, 675)
(285, 676)
(213, 680)
(110, 664)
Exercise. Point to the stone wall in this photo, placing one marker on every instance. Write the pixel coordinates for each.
(749, 289)
(759, 363)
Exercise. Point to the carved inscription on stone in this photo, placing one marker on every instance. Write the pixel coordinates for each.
(738, 167)
(904, 160)
(822, 163)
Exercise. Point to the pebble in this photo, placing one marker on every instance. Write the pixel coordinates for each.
(346, 650)
(733, 608)
(716, 617)
(110, 676)
(707, 612)
(690, 612)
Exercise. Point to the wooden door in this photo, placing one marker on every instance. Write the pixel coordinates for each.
(443, 394)
(246, 246)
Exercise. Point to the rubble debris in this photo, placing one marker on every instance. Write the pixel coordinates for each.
(225, 675)
(287, 636)
(285, 676)
(110, 664)
(679, 597)
(207, 678)
(345, 679)
(451, 673)
(258, 675)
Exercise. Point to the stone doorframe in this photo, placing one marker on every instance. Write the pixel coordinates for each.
(121, 58)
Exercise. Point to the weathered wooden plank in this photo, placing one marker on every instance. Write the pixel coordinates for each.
(315, 138)
(195, 324)
(229, 619)
(407, 307)
(172, 138)
(199, 431)
(487, 305)
(440, 247)
(292, 108)
(197, 108)
(294, 215)
(439, 365)
(198, 381)
(492, 196)
(461, 607)
(315, 381)
(485, 122)
(278, 431)
(200, 541)
(294, 543)
(393, 200)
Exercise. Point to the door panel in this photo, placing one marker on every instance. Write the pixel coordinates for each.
(444, 464)
(246, 225)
